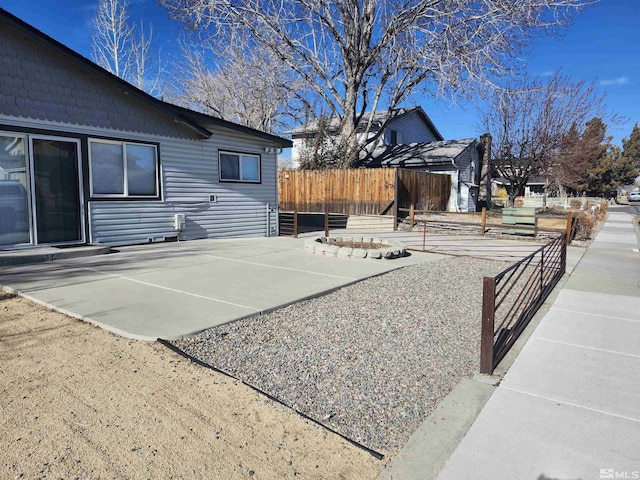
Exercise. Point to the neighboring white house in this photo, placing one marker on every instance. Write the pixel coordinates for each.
(403, 125)
(411, 140)
(87, 157)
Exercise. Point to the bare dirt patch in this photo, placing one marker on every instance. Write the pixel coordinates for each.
(79, 402)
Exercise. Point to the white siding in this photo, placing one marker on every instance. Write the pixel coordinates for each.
(468, 163)
(189, 175)
(411, 127)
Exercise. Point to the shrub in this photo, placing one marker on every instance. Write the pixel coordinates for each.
(584, 226)
(603, 210)
(576, 204)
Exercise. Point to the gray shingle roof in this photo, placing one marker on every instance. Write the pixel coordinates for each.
(190, 119)
(416, 154)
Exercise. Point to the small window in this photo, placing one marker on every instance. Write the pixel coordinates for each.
(239, 167)
(393, 137)
(122, 169)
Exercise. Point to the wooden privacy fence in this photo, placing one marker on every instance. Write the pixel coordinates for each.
(361, 191)
(423, 190)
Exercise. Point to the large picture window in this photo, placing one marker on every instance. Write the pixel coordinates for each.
(123, 169)
(239, 167)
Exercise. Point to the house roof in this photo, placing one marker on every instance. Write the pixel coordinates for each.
(443, 152)
(190, 119)
(379, 118)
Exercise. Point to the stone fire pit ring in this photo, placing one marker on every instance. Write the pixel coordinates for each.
(326, 246)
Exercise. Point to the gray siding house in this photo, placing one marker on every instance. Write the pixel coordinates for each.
(87, 157)
(401, 125)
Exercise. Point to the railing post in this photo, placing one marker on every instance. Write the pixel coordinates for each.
(326, 223)
(542, 271)
(295, 223)
(565, 244)
(424, 237)
(488, 324)
(569, 225)
(411, 215)
(396, 202)
(483, 222)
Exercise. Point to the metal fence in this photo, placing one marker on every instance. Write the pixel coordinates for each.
(512, 298)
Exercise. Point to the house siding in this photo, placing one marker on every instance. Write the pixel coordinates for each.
(468, 163)
(411, 127)
(38, 83)
(189, 174)
(189, 177)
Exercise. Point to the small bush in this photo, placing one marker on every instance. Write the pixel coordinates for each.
(603, 210)
(576, 204)
(584, 226)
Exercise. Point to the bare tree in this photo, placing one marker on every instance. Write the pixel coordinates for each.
(123, 49)
(361, 55)
(110, 44)
(529, 120)
(237, 82)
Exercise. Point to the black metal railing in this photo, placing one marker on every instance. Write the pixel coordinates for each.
(512, 298)
(293, 223)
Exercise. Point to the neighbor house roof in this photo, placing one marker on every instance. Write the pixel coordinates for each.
(190, 119)
(379, 118)
(443, 152)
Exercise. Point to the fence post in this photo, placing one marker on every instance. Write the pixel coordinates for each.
(483, 222)
(326, 223)
(542, 271)
(488, 324)
(295, 223)
(395, 203)
(569, 225)
(424, 237)
(411, 215)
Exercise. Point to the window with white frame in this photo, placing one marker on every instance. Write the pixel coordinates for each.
(239, 167)
(123, 169)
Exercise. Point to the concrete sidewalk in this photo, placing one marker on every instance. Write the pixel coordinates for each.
(569, 407)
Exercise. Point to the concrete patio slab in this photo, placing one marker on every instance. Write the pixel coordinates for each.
(139, 311)
(172, 290)
(519, 436)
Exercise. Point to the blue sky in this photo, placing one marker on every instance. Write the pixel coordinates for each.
(602, 45)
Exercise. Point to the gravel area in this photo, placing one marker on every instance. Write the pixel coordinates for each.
(371, 360)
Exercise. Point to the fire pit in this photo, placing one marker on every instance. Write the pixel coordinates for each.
(356, 247)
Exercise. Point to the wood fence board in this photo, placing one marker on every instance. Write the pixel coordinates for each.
(359, 191)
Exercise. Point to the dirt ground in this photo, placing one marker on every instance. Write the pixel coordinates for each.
(79, 402)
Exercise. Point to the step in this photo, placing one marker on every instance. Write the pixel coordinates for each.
(26, 256)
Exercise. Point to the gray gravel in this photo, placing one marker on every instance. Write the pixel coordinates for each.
(371, 360)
